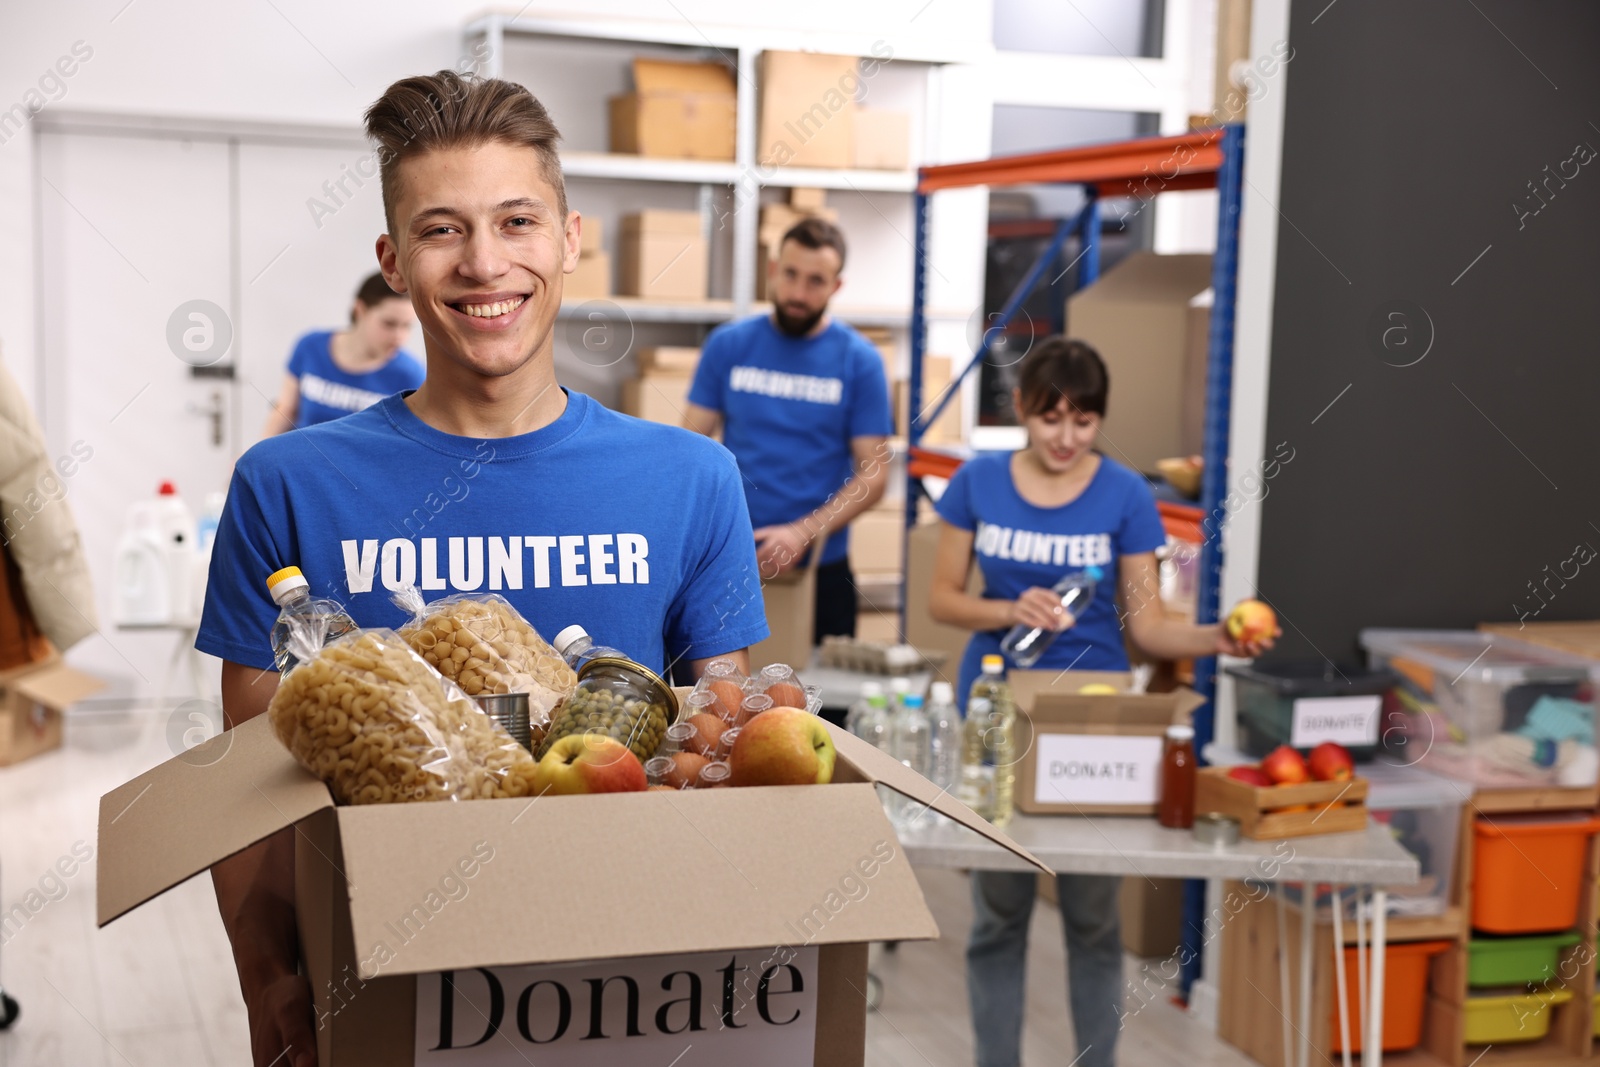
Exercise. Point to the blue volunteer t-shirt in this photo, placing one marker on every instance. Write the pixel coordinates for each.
(1019, 545)
(573, 523)
(329, 392)
(790, 408)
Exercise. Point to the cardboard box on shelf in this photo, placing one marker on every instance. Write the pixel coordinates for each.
(1089, 754)
(590, 279)
(936, 373)
(676, 111)
(411, 917)
(806, 200)
(663, 256)
(1138, 317)
(33, 703)
(881, 140)
(668, 359)
(659, 398)
(807, 109)
(591, 236)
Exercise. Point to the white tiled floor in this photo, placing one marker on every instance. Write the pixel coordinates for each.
(157, 987)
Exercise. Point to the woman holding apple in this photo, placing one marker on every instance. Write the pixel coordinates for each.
(1029, 517)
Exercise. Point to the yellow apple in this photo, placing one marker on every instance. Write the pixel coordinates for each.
(783, 746)
(1098, 689)
(589, 763)
(1252, 622)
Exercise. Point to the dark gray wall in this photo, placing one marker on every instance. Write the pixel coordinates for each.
(1439, 494)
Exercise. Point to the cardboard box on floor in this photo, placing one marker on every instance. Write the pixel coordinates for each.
(1150, 910)
(33, 702)
(1086, 754)
(1138, 317)
(807, 109)
(407, 911)
(663, 256)
(676, 111)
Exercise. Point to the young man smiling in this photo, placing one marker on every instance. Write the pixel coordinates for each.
(551, 501)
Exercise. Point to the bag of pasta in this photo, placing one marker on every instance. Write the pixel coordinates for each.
(369, 717)
(484, 645)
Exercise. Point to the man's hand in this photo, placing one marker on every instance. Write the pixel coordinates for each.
(1040, 609)
(779, 548)
(281, 1021)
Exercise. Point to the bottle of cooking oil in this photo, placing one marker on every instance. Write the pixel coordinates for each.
(988, 756)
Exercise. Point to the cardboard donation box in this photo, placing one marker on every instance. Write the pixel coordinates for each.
(664, 256)
(33, 702)
(475, 932)
(808, 110)
(1086, 754)
(1138, 316)
(676, 111)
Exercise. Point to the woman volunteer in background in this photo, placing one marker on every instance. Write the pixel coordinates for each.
(1095, 512)
(332, 373)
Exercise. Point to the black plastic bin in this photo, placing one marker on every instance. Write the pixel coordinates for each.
(1267, 696)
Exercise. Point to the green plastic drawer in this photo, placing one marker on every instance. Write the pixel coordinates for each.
(1515, 960)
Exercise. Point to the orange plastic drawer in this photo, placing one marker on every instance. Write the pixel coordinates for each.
(1405, 994)
(1527, 872)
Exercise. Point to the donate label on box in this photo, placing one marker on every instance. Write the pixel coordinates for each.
(734, 1008)
(1091, 769)
(1347, 720)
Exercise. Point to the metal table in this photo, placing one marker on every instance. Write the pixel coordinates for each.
(1123, 845)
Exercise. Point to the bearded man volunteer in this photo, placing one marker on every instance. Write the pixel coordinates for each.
(490, 478)
(804, 407)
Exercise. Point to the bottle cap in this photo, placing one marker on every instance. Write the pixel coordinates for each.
(1181, 733)
(281, 583)
(1094, 572)
(566, 637)
(994, 664)
(943, 693)
(167, 489)
(913, 700)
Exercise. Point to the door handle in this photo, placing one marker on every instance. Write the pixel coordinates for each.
(213, 411)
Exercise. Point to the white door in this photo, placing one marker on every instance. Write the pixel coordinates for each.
(133, 230)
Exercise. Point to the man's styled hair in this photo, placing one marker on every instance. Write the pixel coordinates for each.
(816, 233)
(450, 110)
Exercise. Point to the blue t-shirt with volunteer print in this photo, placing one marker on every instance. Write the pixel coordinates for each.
(572, 523)
(329, 392)
(791, 406)
(1019, 545)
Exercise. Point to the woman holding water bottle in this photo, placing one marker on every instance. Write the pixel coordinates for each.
(1031, 518)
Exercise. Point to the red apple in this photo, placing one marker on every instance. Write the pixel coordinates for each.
(1251, 622)
(1249, 775)
(783, 746)
(589, 763)
(1285, 767)
(1331, 762)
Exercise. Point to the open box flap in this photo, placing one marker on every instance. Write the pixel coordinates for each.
(1057, 694)
(176, 820)
(57, 686)
(663, 76)
(614, 875)
(874, 765)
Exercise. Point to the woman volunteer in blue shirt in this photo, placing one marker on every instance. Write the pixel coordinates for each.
(1030, 517)
(333, 373)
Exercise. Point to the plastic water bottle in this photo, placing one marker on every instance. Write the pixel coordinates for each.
(852, 719)
(576, 647)
(1025, 644)
(908, 743)
(944, 738)
(988, 757)
(210, 519)
(872, 725)
(305, 623)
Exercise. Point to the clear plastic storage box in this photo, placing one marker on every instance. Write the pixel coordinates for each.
(1487, 709)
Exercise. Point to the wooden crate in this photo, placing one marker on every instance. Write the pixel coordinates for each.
(1321, 807)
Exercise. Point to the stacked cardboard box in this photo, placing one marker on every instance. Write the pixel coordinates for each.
(676, 111)
(664, 256)
(661, 391)
(33, 701)
(809, 116)
(778, 219)
(591, 278)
